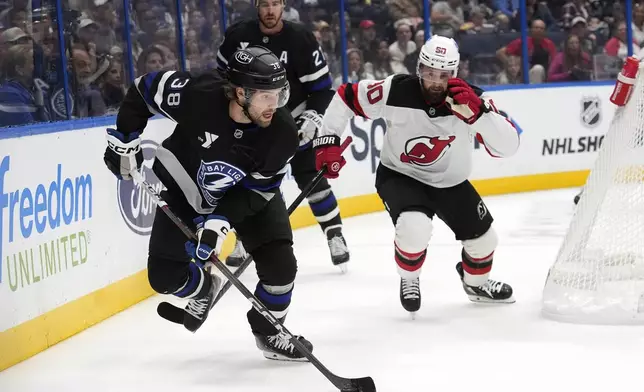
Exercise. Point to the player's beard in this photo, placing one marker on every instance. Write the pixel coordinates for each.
(269, 24)
(434, 96)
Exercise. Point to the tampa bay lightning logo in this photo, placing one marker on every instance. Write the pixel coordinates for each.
(214, 179)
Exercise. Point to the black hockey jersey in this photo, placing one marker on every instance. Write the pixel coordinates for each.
(299, 51)
(208, 153)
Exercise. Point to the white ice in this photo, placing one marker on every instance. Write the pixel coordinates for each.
(359, 328)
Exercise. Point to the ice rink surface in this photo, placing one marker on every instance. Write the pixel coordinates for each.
(359, 328)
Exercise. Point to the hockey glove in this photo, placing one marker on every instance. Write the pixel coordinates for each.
(463, 101)
(329, 153)
(211, 232)
(308, 124)
(123, 153)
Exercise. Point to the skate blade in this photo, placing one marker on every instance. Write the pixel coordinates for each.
(485, 300)
(412, 315)
(277, 357)
(344, 267)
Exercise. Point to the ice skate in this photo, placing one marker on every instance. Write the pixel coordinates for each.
(338, 249)
(279, 348)
(237, 256)
(489, 292)
(197, 309)
(410, 295)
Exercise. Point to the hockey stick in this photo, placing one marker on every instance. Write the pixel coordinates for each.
(175, 314)
(363, 384)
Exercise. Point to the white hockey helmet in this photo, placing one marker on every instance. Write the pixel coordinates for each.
(439, 53)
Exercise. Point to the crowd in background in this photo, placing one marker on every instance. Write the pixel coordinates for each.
(575, 40)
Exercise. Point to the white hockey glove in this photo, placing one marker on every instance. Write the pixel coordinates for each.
(123, 153)
(211, 232)
(308, 124)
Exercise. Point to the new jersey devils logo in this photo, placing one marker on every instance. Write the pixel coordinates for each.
(425, 151)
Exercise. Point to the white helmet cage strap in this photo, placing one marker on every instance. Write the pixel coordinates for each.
(439, 53)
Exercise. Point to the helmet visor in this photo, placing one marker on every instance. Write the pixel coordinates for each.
(268, 99)
(433, 75)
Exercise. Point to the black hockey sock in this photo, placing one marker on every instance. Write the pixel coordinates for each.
(325, 208)
(197, 283)
(277, 299)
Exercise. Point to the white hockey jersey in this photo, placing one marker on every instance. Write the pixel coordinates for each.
(427, 143)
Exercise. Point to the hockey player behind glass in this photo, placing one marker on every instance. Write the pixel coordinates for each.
(222, 167)
(426, 158)
(311, 92)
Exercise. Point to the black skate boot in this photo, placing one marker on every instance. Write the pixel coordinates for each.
(237, 256)
(410, 295)
(338, 249)
(197, 309)
(279, 348)
(489, 292)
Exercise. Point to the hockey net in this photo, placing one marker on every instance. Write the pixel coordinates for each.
(598, 276)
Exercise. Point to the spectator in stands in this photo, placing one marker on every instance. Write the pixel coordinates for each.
(88, 99)
(507, 7)
(368, 43)
(401, 9)
(382, 65)
(401, 48)
(511, 73)
(616, 46)
(447, 17)
(106, 21)
(20, 102)
(573, 9)
(169, 57)
(579, 28)
(357, 70)
(112, 88)
(150, 60)
(477, 23)
(541, 51)
(411, 60)
(571, 64)
(638, 23)
(535, 10)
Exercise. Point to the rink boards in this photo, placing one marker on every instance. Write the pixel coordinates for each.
(73, 239)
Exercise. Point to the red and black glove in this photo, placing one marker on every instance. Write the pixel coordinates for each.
(329, 152)
(463, 101)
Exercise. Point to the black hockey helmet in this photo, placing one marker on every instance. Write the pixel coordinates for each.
(257, 68)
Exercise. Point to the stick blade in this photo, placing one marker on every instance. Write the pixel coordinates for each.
(170, 312)
(364, 384)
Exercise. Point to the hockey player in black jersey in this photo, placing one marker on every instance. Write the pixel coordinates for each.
(222, 167)
(308, 75)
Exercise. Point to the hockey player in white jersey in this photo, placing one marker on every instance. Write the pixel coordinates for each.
(432, 120)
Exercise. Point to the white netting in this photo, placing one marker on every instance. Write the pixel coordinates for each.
(598, 276)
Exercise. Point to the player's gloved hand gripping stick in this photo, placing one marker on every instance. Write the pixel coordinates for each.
(175, 314)
(364, 384)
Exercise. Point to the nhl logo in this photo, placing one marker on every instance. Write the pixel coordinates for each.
(265, 40)
(238, 134)
(432, 111)
(591, 111)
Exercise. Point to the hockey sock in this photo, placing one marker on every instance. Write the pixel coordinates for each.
(277, 299)
(325, 208)
(197, 283)
(476, 271)
(409, 264)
